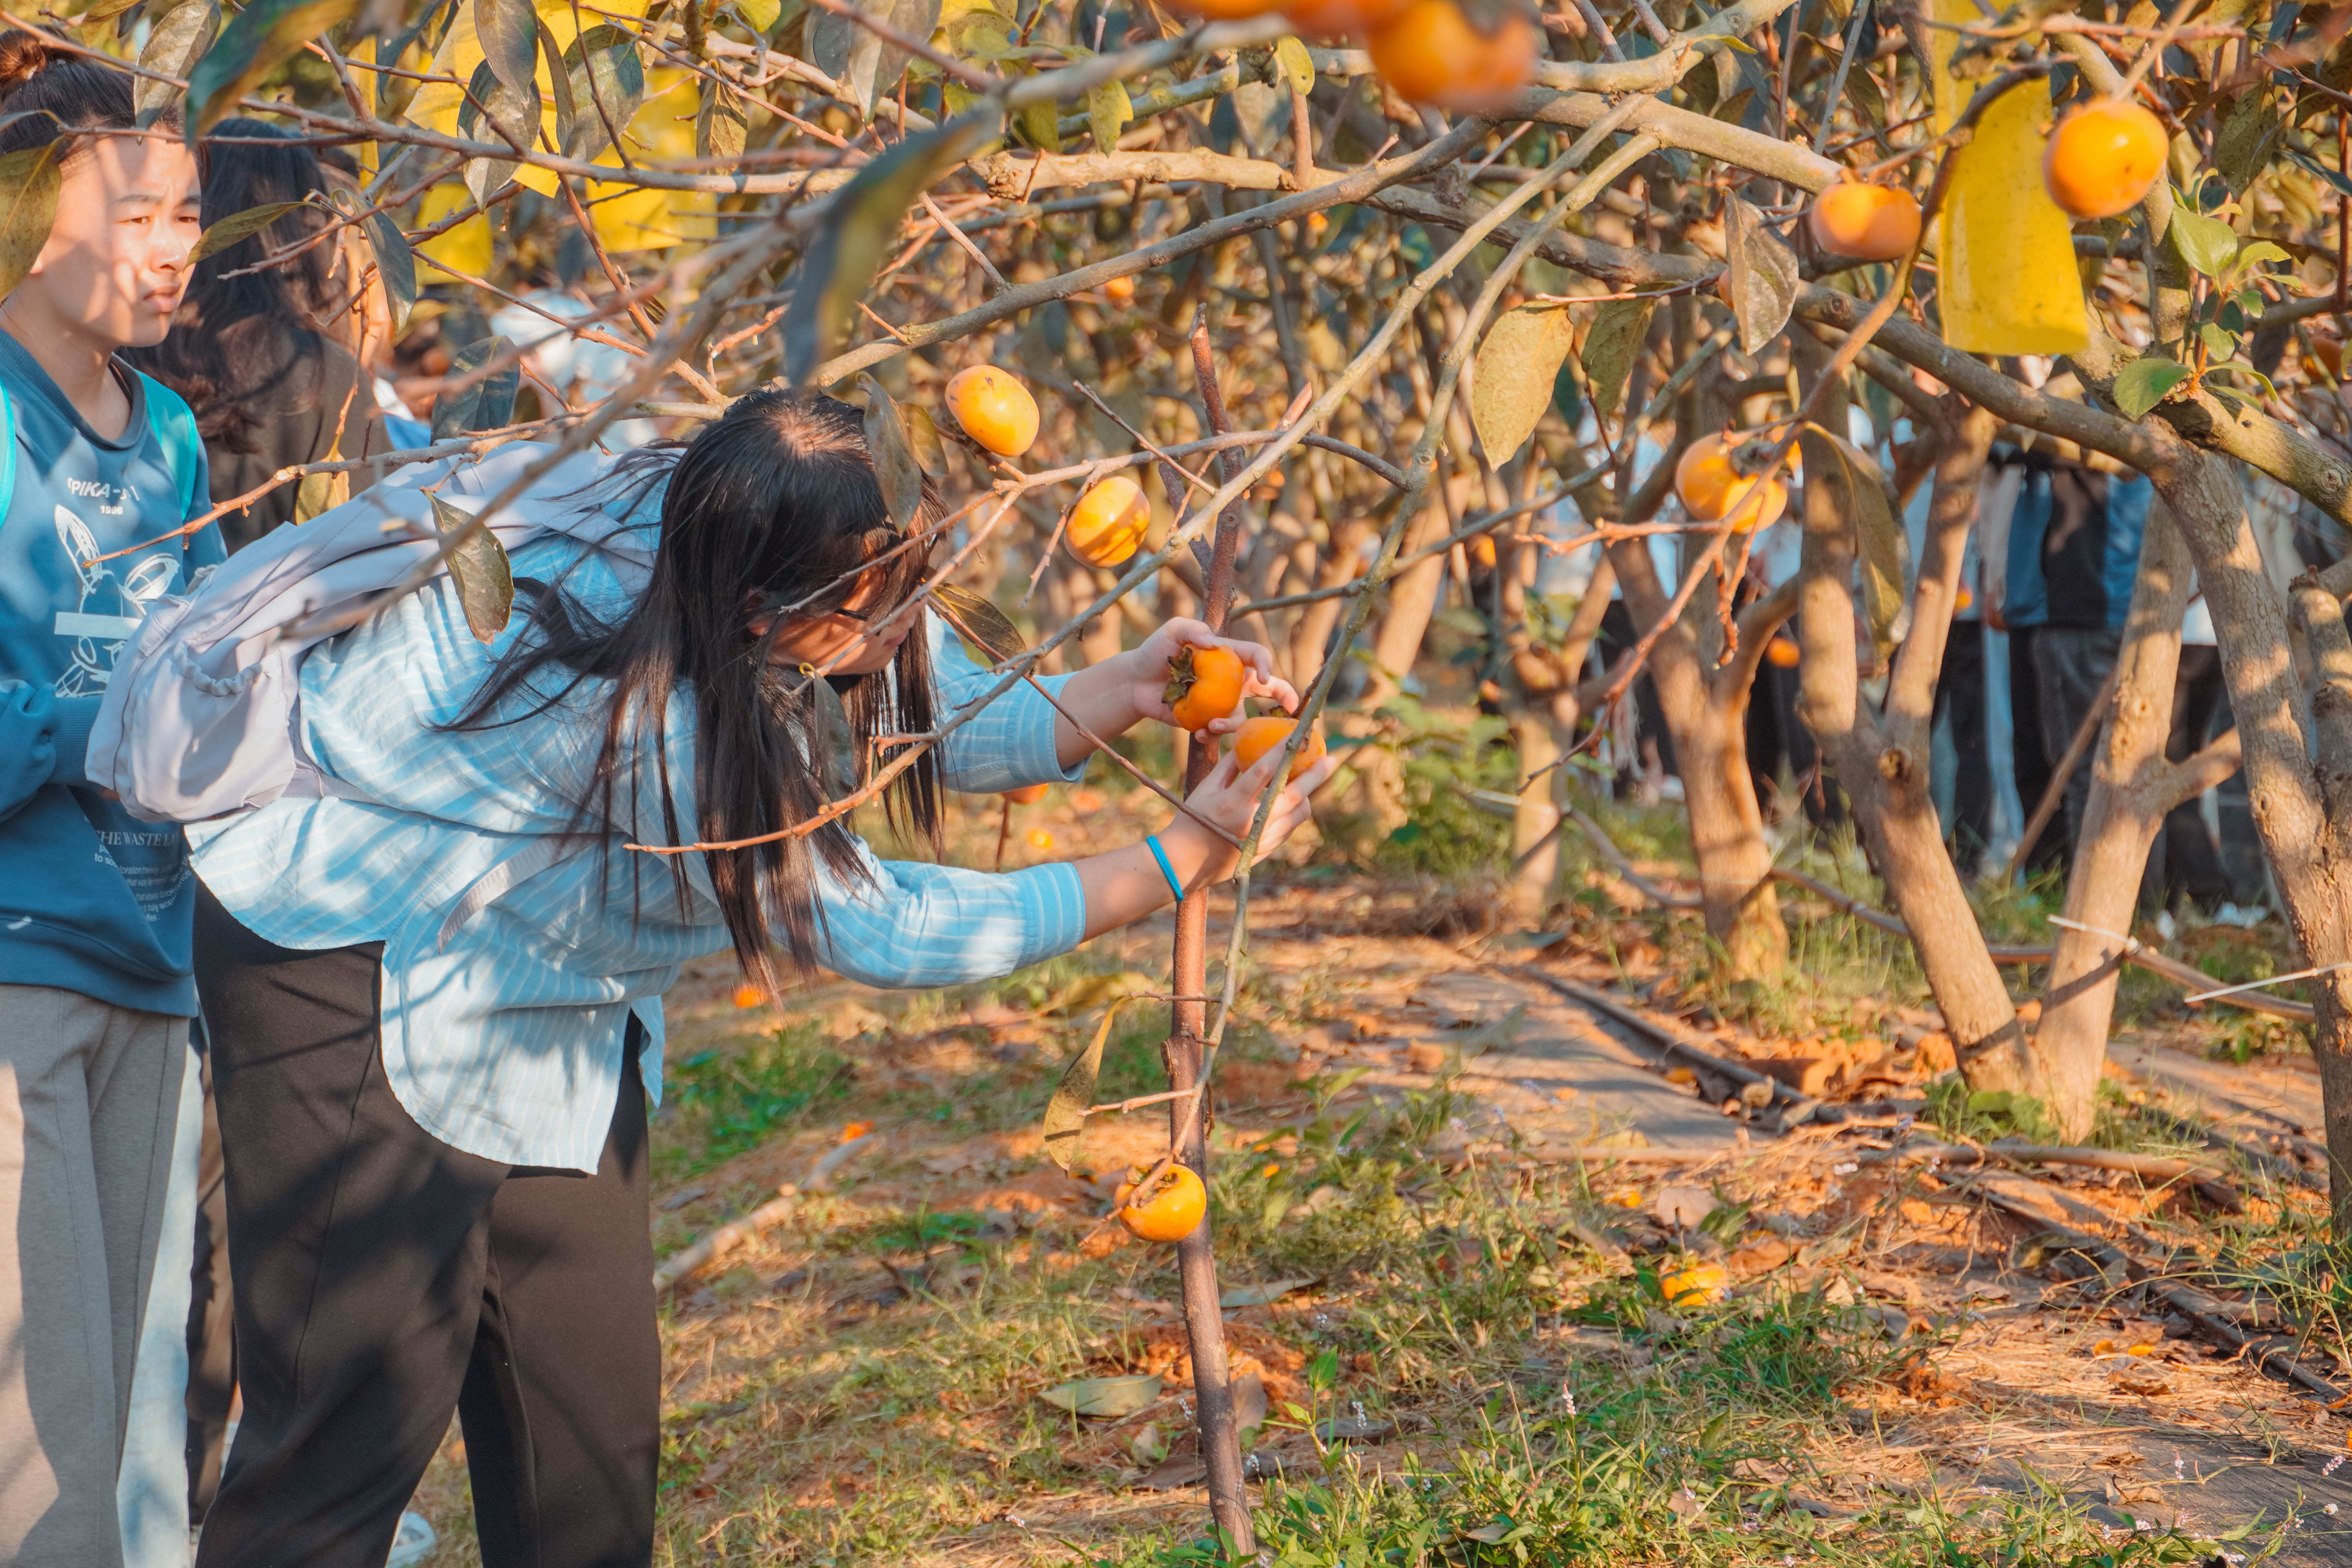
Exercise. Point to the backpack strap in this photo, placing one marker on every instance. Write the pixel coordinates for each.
(174, 424)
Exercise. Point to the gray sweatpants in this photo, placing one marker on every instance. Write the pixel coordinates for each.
(89, 1098)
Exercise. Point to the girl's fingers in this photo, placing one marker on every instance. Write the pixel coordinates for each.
(1284, 694)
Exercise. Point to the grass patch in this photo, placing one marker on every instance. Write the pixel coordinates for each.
(718, 1104)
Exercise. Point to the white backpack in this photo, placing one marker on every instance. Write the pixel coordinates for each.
(200, 717)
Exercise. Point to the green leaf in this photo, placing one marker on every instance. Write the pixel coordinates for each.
(559, 84)
(1515, 369)
(1881, 546)
(395, 264)
(607, 80)
(832, 739)
(1266, 1294)
(719, 124)
(1567, 396)
(979, 622)
(257, 41)
(240, 226)
(321, 493)
(487, 404)
(857, 58)
(1764, 276)
(1104, 1398)
(1862, 91)
(2328, 176)
(1109, 112)
(174, 46)
(1611, 347)
(514, 111)
(509, 30)
(2248, 138)
(479, 567)
(859, 222)
(2217, 343)
(2234, 368)
(2206, 244)
(983, 34)
(2144, 382)
(1066, 1113)
(923, 438)
(895, 468)
(2256, 251)
(28, 204)
(1039, 125)
(1297, 66)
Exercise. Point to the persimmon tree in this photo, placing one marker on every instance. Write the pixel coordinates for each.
(1357, 350)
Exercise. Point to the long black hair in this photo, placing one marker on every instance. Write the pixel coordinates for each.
(242, 325)
(774, 507)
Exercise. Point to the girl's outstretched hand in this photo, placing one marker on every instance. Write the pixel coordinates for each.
(1227, 799)
(1148, 683)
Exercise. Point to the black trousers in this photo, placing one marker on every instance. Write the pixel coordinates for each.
(2072, 664)
(2032, 763)
(1776, 736)
(1960, 694)
(383, 1279)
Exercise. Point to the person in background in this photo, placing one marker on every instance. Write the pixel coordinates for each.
(2076, 530)
(402, 431)
(1960, 704)
(2010, 536)
(264, 353)
(265, 360)
(101, 469)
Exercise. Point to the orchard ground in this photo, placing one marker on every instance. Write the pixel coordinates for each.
(1465, 1357)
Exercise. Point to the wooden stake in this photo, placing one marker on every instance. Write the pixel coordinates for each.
(1196, 1261)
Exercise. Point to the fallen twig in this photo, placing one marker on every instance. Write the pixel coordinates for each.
(2208, 1181)
(692, 1260)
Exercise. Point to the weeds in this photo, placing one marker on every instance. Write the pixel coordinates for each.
(717, 1105)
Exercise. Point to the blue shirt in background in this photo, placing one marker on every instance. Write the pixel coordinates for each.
(91, 899)
(2073, 546)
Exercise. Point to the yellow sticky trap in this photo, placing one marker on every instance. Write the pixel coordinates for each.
(2005, 252)
(465, 248)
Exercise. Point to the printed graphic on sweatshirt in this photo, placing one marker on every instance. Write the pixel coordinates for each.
(111, 607)
(153, 864)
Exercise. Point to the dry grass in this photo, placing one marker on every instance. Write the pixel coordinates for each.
(1895, 1378)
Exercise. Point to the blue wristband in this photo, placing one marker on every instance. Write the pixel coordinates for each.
(1166, 870)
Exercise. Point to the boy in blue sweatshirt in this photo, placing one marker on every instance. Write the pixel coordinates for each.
(96, 906)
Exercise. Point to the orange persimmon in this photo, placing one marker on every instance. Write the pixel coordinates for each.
(994, 409)
(1716, 480)
(1172, 1211)
(1203, 683)
(1865, 222)
(1256, 737)
(1108, 522)
(2103, 158)
(1432, 53)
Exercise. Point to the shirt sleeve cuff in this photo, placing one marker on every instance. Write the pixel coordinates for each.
(73, 718)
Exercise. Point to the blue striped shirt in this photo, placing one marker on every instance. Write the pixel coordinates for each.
(503, 1037)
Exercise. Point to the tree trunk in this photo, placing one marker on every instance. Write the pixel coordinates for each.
(1736, 891)
(2132, 787)
(1884, 771)
(2302, 811)
(1705, 713)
